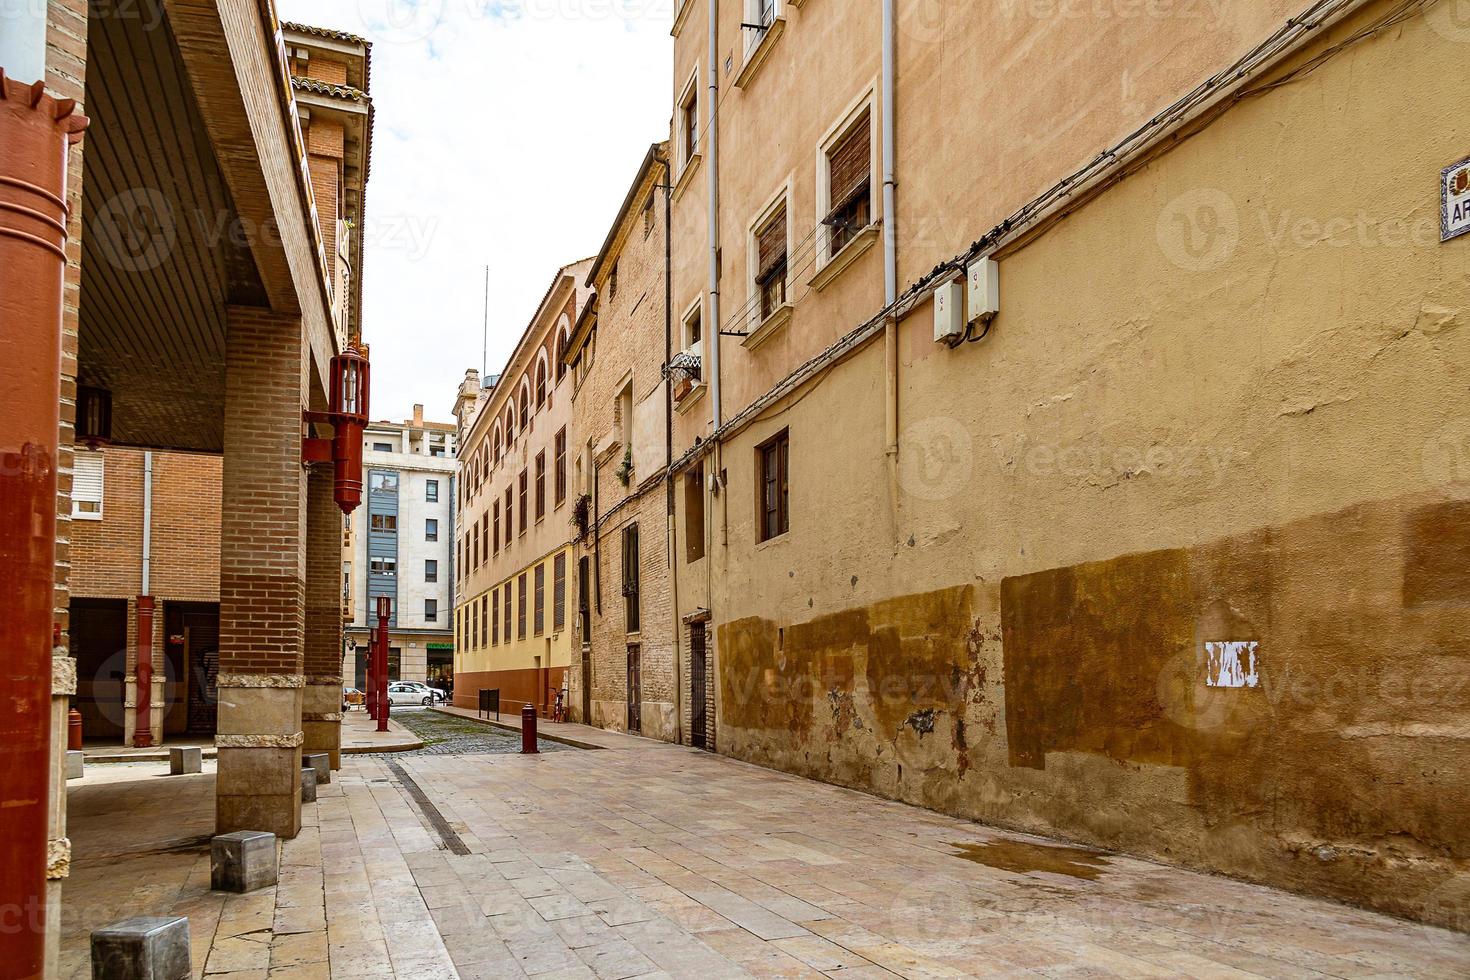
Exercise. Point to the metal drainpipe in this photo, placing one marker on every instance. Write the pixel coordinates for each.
(143, 689)
(670, 535)
(890, 256)
(35, 131)
(712, 143)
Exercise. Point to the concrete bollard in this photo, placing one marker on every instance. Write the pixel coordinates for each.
(308, 784)
(322, 763)
(185, 759)
(243, 861)
(147, 947)
(74, 762)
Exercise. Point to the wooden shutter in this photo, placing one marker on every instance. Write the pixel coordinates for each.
(540, 618)
(521, 606)
(495, 617)
(771, 246)
(851, 163)
(559, 593)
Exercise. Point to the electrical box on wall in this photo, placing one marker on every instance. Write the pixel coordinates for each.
(949, 312)
(983, 286)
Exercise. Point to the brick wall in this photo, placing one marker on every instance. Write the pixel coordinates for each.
(323, 623)
(107, 555)
(262, 540)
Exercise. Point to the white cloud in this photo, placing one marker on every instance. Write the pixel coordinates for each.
(507, 133)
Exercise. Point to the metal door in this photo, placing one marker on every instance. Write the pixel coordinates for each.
(635, 690)
(698, 687)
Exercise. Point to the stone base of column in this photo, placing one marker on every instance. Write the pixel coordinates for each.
(259, 739)
(321, 716)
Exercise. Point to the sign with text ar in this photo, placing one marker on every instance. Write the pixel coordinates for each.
(1454, 201)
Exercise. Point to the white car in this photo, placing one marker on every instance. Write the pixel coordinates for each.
(423, 688)
(403, 693)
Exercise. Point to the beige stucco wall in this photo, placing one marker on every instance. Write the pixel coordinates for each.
(1222, 402)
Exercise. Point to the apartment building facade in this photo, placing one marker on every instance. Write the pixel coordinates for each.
(624, 674)
(400, 544)
(1067, 444)
(514, 535)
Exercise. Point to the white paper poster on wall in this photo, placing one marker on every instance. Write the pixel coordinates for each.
(1231, 663)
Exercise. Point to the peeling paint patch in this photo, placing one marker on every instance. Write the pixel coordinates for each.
(921, 721)
(1231, 663)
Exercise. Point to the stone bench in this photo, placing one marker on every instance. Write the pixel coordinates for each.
(322, 763)
(242, 861)
(308, 784)
(148, 947)
(185, 759)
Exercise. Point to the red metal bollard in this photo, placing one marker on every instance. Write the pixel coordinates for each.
(74, 730)
(528, 730)
(380, 675)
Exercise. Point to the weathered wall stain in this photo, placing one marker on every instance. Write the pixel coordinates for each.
(1024, 857)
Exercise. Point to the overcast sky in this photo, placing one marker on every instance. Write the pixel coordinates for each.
(507, 134)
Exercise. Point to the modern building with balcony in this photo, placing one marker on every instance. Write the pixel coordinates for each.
(399, 544)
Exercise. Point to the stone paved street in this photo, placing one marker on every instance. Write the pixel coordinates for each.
(648, 859)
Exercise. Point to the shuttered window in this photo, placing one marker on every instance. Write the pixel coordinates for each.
(770, 276)
(539, 625)
(561, 466)
(525, 485)
(775, 518)
(505, 608)
(494, 617)
(521, 606)
(559, 593)
(86, 486)
(510, 520)
(495, 539)
(631, 578)
(850, 165)
(540, 485)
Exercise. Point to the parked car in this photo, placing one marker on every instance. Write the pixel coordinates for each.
(433, 692)
(406, 692)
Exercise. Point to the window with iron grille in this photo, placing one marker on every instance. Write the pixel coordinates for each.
(540, 485)
(560, 448)
(850, 168)
(521, 606)
(539, 625)
(773, 459)
(630, 578)
(559, 593)
(770, 276)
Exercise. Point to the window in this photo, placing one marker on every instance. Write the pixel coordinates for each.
(770, 275)
(510, 522)
(524, 499)
(382, 447)
(431, 569)
(384, 481)
(475, 547)
(540, 384)
(612, 282)
(689, 121)
(431, 610)
(649, 215)
(497, 444)
(383, 566)
(560, 481)
(494, 617)
(559, 593)
(694, 514)
(774, 459)
(540, 485)
(86, 486)
(694, 327)
(484, 619)
(521, 606)
(525, 403)
(630, 578)
(485, 536)
(540, 621)
(623, 417)
(510, 425)
(384, 522)
(431, 491)
(436, 448)
(474, 626)
(495, 537)
(431, 529)
(850, 173)
(505, 610)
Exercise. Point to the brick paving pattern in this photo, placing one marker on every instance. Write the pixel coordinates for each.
(444, 734)
(658, 861)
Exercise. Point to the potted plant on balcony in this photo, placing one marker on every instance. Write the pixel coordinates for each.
(582, 514)
(625, 468)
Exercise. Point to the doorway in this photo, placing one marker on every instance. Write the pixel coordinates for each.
(99, 642)
(190, 645)
(635, 689)
(698, 688)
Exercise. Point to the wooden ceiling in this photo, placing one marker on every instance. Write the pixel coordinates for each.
(163, 248)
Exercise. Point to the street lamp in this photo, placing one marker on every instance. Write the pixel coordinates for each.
(348, 417)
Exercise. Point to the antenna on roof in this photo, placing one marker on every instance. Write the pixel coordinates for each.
(485, 329)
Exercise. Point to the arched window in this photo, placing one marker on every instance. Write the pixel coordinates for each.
(497, 441)
(525, 401)
(563, 338)
(541, 382)
(510, 424)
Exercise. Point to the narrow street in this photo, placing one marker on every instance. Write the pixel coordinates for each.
(650, 859)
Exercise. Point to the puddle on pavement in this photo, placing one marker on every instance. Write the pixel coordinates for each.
(1023, 857)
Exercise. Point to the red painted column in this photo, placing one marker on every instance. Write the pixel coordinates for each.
(35, 131)
(143, 694)
(380, 678)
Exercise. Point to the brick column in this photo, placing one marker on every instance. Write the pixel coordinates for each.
(322, 708)
(262, 576)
